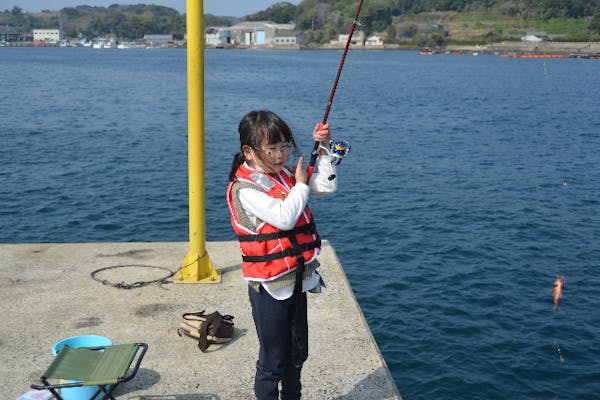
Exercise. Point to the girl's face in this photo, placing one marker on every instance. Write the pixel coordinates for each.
(270, 157)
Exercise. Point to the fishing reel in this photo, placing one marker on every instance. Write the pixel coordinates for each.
(337, 150)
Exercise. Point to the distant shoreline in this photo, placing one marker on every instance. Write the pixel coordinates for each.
(566, 48)
(583, 49)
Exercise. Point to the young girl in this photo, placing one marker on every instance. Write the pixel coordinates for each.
(279, 244)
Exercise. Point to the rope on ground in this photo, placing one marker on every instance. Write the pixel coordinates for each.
(137, 284)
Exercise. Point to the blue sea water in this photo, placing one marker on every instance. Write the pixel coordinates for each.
(451, 220)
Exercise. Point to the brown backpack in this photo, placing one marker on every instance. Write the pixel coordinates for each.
(207, 328)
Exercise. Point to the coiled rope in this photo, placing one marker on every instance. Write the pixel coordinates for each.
(137, 284)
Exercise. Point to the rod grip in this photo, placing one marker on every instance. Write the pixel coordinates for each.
(315, 151)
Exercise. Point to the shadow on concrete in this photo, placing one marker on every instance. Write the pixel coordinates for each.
(373, 387)
(144, 379)
(230, 268)
(199, 396)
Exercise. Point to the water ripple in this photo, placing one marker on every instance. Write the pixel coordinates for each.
(451, 219)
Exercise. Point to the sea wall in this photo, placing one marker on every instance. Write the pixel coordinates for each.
(534, 47)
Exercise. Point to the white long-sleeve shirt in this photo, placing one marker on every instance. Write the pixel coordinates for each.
(284, 213)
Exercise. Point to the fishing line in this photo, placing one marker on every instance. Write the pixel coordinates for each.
(341, 148)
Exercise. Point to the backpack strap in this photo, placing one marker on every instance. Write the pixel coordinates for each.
(211, 319)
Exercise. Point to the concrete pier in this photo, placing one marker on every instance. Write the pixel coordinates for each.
(48, 294)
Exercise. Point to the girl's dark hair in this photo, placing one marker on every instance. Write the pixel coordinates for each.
(255, 128)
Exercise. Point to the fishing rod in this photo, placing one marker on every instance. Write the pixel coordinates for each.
(341, 148)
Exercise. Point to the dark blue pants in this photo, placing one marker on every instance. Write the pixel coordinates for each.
(274, 365)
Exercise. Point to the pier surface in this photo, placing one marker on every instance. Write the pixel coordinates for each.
(48, 294)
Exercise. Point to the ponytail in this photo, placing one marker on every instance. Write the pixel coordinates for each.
(238, 160)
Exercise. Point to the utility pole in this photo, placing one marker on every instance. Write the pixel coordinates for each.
(197, 266)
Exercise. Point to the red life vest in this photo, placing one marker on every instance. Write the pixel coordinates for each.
(267, 251)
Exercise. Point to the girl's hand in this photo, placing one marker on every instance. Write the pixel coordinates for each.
(321, 133)
(301, 172)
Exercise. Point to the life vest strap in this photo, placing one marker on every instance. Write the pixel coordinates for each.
(308, 229)
(286, 253)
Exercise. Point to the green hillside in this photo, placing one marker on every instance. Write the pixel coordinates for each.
(406, 23)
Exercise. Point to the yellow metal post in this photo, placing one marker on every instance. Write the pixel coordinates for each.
(197, 265)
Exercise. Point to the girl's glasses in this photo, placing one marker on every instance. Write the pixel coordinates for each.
(273, 151)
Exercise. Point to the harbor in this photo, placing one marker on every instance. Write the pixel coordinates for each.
(48, 294)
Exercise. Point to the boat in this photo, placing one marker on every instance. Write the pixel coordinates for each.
(102, 43)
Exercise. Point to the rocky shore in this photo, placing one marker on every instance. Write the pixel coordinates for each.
(565, 48)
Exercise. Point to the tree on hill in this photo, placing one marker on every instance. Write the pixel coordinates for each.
(594, 26)
(281, 13)
(376, 17)
(322, 20)
(122, 25)
(213, 20)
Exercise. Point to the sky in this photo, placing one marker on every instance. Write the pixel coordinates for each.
(233, 8)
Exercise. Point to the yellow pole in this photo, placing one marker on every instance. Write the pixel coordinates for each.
(197, 265)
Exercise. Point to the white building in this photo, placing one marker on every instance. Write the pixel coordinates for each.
(374, 40)
(357, 39)
(46, 35)
(254, 34)
(531, 38)
(217, 37)
(286, 37)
